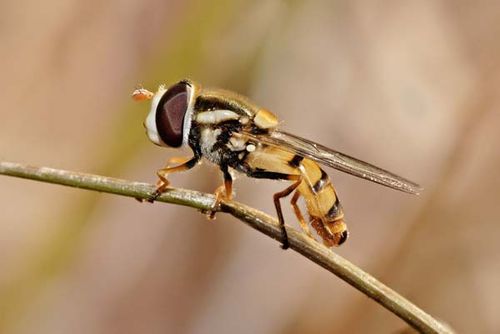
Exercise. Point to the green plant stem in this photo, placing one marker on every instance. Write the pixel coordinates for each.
(299, 242)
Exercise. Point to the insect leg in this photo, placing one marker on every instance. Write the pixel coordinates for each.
(228, 183)
(277, 204)
(163, 173)
(225, 191)
(299, 215)
(177, 160)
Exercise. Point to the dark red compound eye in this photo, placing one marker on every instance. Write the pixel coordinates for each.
(170, 114)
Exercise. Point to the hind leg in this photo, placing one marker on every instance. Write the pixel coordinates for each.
(277, 204)
(299, 215)
(259, 173)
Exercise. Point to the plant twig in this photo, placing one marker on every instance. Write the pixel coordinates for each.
(362, 281)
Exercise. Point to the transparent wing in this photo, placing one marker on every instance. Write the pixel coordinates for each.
(337, 160)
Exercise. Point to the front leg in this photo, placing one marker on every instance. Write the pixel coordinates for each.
(224, 192)
(164, 172)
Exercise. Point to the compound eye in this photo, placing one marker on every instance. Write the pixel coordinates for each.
(343, 237)
(170, 114)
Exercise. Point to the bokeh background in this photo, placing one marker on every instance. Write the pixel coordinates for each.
(412, 86)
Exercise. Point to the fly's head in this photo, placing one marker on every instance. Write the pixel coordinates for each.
(169, 120)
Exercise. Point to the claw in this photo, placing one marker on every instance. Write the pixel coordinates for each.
(154, 196)
(162, 186)
(284, 239)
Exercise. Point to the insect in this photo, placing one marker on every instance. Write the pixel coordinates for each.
(240, 137)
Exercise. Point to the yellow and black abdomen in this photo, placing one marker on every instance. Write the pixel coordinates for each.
(325, 212)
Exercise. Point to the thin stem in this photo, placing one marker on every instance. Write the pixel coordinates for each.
(319, 254)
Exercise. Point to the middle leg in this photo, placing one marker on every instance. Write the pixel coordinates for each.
(224, 192)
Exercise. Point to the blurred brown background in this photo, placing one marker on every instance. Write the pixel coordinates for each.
(411, 86)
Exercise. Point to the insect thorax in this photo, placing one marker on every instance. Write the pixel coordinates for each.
(215, 130)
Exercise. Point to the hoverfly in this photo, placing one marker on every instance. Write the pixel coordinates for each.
(238, 136)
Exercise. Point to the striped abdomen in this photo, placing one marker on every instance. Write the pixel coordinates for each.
(325, 212)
